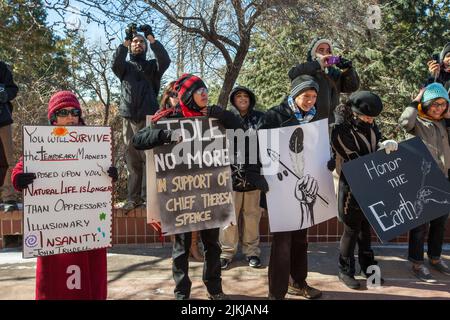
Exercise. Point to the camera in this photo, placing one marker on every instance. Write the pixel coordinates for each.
(333, 60)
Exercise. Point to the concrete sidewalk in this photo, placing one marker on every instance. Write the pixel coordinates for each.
(144, 273)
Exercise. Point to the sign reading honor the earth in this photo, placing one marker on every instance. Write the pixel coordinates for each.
(189, 180)
(301, 192)
(399, 191)
(68, 207)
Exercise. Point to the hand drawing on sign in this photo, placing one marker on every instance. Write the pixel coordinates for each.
(428, 193)
(306, 188)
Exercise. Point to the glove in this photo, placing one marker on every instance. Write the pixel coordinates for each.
(147, 30)
(3, 95)
(331, 164)
(344, 64)
(388, 146)
(112, 172)
(130, 31)
(165, 136)
(24, 179)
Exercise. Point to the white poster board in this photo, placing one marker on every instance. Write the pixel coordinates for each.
(68, 207)
(301, 191)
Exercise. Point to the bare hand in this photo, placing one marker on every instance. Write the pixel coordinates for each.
(323, 60)
(433, 68)
(419, 95)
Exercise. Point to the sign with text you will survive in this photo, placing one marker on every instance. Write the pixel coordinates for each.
(68, 206)
(399, 191)
(189, 183)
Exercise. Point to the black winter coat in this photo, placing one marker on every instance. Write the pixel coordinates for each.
(140, 81)
(351, 140)
(6, 80)
(281, 116)
(247, 176)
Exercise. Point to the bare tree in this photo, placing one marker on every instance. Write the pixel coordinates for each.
(91, 72)
(225, 25)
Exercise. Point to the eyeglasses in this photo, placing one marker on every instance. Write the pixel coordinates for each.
(201, 90)
(437, 105)
(173, 94)
(65, 112)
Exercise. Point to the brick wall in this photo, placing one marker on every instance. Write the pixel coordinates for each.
(133, 229)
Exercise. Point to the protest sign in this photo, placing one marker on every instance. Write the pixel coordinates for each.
(398, 191)
(189, 182)
(68, 207)
(301, 192)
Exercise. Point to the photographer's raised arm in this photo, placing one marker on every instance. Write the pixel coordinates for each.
(349, 80)
(119, 60)
(162, 57)
(309, 68)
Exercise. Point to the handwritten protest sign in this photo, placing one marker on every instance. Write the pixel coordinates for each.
(68, 206)
(399, 191)
(189, 183)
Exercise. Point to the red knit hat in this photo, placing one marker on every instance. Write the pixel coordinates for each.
(60, 100)
(186, 85)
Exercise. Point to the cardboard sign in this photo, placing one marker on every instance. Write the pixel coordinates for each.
(68, 207)
(301, 191)
(399, 191)
(189, 183)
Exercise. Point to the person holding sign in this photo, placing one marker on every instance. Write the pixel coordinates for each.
(288, 255)
(427, 117)
(193, 100)
(68, 276)
(169, 101)
(356, 134)
(247, 186)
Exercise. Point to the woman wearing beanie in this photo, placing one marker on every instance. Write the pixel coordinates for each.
(52, 271)
(169, 102)
(193, 100)
(428, 119)
(356, 134)
(288, 255)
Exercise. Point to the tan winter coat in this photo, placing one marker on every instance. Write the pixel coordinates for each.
(434, 134)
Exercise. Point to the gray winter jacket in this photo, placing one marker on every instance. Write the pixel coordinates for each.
(434, 134)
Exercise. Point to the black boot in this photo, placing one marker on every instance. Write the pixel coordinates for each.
(347, 272)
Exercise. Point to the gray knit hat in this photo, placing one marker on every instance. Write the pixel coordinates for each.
(302, 83)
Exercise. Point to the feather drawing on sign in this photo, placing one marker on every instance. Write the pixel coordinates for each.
(306, 188)
(428, 194)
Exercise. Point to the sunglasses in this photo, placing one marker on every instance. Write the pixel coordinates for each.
(65, 112)
(173, 94)
(201, 90)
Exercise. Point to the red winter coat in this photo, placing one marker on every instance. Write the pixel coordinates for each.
(52, 274)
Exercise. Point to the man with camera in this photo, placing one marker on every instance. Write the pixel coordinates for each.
(140, 83)
(8, 91)
(334, 75)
